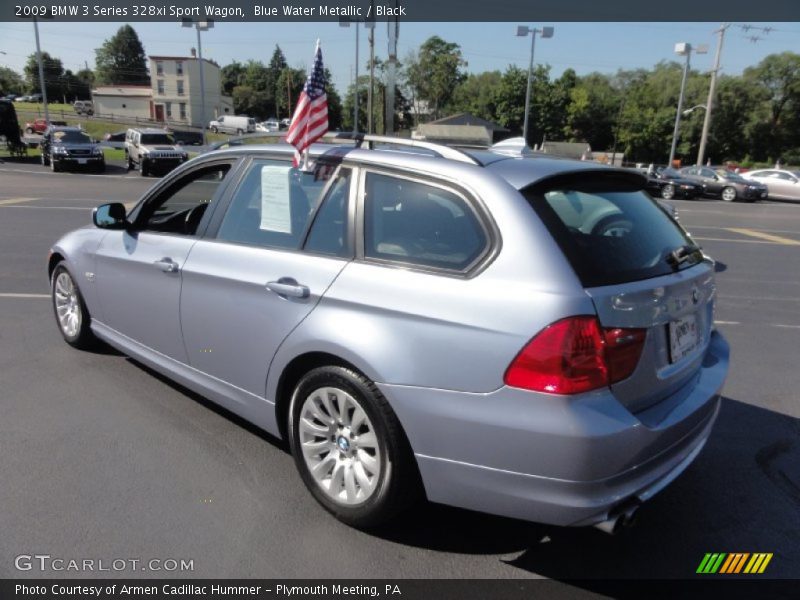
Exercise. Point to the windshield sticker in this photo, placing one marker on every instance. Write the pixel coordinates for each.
(275, 209)
(58, 135)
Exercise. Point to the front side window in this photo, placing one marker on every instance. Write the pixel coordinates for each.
(273, 204)
(181, 207)
(420, 224)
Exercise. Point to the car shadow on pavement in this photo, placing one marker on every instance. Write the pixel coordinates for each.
(742, 494)
(221, 411)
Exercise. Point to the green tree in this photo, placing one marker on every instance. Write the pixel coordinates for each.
(592, 112)
(231, 76)
(10, 81)
(477, 95)
(277, 65)
(434, 72)
(249, 101)
(53, 75)
(510, 101)
(778, 122)
(121, 59)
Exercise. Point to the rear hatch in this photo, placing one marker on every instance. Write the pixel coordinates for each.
(641, 270)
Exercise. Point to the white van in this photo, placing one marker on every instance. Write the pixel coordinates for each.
(233, 124)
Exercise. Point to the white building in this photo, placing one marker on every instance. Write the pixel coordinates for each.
(176, 90)
(173, 96)
(128, 101)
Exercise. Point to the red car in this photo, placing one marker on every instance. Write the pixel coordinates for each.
(39, 126)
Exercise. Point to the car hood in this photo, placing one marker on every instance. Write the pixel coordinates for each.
(75, 146)
(161, 148)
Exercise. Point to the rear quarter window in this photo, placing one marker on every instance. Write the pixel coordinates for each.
(609, 236)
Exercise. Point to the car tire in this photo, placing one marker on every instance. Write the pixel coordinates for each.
(668, 192)
(54, 166)
(72, 316)
(239, 132)
(349, 447)
(29, 130)
(143, 170)
(215, 130)
(728, 194)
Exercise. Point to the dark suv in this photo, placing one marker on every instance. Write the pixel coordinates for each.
(69, 147)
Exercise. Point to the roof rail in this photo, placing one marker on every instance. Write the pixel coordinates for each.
(439, 149)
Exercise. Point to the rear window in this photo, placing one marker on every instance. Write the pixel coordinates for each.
(610, 236)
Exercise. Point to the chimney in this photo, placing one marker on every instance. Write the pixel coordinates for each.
(194, 52)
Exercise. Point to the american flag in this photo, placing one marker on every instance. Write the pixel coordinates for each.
(310, 120)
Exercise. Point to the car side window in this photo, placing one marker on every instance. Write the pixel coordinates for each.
(328, 234)
(420, 224)
(181, 207)
(272, 205)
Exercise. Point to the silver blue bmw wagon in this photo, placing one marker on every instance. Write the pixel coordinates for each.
(520, 335)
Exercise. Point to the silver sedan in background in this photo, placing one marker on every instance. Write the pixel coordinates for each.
(782, 184)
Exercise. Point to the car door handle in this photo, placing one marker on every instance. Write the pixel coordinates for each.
(288, 287)
(167, 265)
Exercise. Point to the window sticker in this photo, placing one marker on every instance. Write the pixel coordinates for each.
(58, 135)
(276, 212)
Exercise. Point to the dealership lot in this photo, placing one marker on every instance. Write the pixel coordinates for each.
(102, 459)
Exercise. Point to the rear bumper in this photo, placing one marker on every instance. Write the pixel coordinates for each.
(551, 459)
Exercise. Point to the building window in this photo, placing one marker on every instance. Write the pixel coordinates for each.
(159, 68)
(160, 84)
(179, 68)
(169, 109)
(180, 87)
(183, 110)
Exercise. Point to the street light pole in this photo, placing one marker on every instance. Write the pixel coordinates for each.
(711, 89)
(522, 31)
(41, 71)
(682, 49)
(201, 26)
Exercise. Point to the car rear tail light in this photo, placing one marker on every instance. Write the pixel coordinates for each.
(576, 355)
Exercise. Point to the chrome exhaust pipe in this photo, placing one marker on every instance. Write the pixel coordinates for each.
(620, 519)
(610, 526)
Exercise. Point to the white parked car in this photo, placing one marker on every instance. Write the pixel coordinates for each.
(269, 126)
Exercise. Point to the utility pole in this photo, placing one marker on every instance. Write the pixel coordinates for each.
(371, 76)
(711, 89)
(41, 71)
(393, 26)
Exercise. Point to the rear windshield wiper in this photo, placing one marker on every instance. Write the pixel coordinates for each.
(681, 254)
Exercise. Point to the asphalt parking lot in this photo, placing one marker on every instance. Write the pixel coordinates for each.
(101, 458)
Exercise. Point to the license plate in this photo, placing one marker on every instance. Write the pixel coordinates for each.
(81, 161)
(682, 337)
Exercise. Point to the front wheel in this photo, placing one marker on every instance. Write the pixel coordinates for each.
(215, 130)
(728, 194)
(349, 447)
(668, 192)
(71, 314)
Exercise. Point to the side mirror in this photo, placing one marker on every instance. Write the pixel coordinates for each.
(110, 216)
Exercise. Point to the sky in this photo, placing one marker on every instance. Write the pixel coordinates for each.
(584, 47)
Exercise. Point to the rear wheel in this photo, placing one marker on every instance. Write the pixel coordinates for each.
(668, 192)
(349, 447)
(215, 130)
(728, 194)
(71, 314)
(239, 132)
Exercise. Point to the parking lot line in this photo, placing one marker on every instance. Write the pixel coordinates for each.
(775, 239)
(711, 239)
(8, 201)
(9, 295)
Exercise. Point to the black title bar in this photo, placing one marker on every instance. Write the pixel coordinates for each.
(238, 11)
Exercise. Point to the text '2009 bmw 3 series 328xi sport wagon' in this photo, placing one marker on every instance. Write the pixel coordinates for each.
(520, 335)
